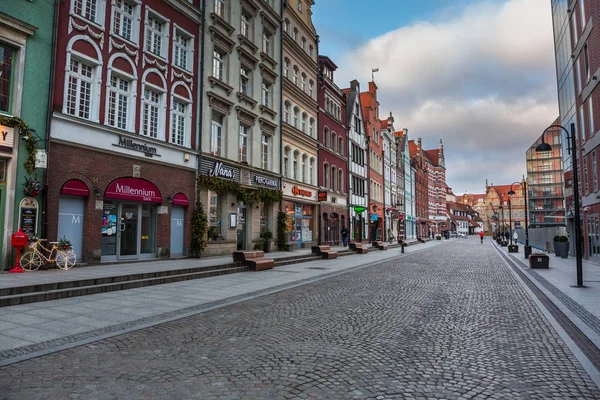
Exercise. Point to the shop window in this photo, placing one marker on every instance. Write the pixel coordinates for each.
(6, 69)
(214, 214)
(2, 170)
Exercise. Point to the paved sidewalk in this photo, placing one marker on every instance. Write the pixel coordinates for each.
(580, 305)
(39, 328)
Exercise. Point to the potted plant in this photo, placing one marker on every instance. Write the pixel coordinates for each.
(563, 246)
(32, 186)
(556, 245)
(213, 232)
(539, 260)
(266, 235)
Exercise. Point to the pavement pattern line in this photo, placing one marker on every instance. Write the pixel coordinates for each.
(23, 353)
(578, 338)
(454, 323)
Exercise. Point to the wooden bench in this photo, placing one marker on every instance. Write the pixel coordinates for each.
(380, 245)
(325, 252)
(255, 260)
(358, 248)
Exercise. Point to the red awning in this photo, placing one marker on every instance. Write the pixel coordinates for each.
(75, 187)
(133, 189)
(180, 199)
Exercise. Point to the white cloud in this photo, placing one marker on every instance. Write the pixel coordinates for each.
(484, 82)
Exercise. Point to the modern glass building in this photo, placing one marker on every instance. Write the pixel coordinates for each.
(545, 178)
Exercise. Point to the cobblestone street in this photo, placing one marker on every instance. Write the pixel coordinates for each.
(452, 322)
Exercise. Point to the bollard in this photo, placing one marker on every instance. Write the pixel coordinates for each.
(402, 248)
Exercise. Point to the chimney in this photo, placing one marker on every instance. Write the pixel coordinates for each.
(355, 86)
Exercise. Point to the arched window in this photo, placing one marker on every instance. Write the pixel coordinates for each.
(295, 35)
(333, 142)
(311, 127)
(326, 175)
(303, 86)
(341, 146)
(311, 171)
(304, 162)
(310, 50)
(286, 68)
(286, 26)
(325, 136)
(295, 165)
(295, 75)
(286, 111)
(286, 162)
(311, 86)
(296, 116)
(304, 121)
(341, 181)
(303, 43)
(333, 177)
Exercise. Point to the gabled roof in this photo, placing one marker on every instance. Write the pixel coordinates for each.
(384, 124)
(502, 191)
(412, 148)
(346, 91)
(433, 156)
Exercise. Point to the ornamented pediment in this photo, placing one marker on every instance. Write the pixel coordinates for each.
(218, 103)
(245, 117)
(267, 126)
(220, 22)
(247, 59)
(220, 40)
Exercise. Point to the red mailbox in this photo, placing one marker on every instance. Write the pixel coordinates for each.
(18, 240)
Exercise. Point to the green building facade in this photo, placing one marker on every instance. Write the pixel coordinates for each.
(26, 37)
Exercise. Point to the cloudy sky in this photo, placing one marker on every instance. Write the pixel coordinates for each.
(478, 74)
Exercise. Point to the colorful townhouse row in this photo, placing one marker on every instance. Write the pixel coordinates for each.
(118, 117)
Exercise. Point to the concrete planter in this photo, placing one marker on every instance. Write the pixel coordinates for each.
(561, 249)
(539, 261)
(513, 248)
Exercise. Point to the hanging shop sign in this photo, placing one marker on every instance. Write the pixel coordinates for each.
(359, 209)
(374, 217)
(219, 170)
(322, 195)
(133, 189)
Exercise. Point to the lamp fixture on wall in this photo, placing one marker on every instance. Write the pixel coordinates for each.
(170, 199)
(97, 192)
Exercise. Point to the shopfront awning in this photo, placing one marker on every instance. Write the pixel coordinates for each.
(133, 189)
(180, 199)
(75, 187)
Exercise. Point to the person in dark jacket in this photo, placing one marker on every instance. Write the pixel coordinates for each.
(345, 236)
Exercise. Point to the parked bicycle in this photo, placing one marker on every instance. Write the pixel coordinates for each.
(35, 256)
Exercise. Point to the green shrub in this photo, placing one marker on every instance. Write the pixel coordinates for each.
(563, 239)
(281, 234)
(199, 227)
(556, 238)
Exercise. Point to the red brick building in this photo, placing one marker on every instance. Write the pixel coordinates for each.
(372, 122)
(418, 161)
(333, 147)
(123, 137)
(436, 170)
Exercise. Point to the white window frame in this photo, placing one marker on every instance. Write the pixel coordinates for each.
(591, 115)
(161, 109)
(99, 14)
(243, 133)
(94, 80)
(267, 38)
(135, 23)
(221, 11)
(300, 5)
(189, 51)
(265, 151)
(164, 35)
(129, 95)
(594, 171)
(311, 170)
(187, 120)
(214, 141)
(266, 94)
(223, 63)
(286, 68)
(246, 26)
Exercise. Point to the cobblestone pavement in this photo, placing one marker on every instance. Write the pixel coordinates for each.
(449, 323)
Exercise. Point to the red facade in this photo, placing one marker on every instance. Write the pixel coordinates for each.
(370, 106)
(333, 149)
(419, 163)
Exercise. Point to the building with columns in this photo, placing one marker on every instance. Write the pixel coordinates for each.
(333, 152)
(241, 114)
(299, 124)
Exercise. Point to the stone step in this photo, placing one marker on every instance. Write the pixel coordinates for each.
(109, 287)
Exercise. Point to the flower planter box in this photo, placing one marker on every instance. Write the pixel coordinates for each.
(513, 248)
(539, 261)
(503, 243)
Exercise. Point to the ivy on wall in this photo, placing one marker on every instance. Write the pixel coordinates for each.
(281, 235)
(26, 134)
(248, 196)
(199, 231)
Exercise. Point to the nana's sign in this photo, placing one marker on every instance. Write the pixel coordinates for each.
(130, 144)
(219, 170)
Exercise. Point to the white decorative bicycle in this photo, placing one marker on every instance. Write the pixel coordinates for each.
(35, 257)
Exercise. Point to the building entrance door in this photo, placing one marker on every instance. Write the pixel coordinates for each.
(241, 229)
(128, 231)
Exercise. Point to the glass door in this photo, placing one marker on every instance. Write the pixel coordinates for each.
(241, 229)
(128, 231)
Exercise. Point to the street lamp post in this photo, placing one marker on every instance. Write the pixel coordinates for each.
(572, 148)
(510, 220)
(527, 248)
(501, 208)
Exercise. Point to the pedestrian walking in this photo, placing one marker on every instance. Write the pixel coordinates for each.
(481, 234)
(345, 236)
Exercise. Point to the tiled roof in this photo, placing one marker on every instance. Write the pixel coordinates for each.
(346, 91)
(502, 191)
(432, 155)
(399, 134)
(384, 124)
(412, 148)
